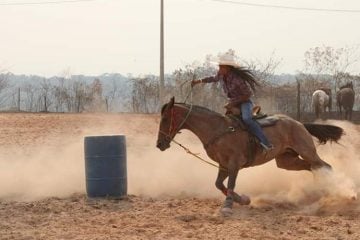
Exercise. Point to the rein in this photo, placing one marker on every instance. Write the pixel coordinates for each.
(187, 150)
(197, 156)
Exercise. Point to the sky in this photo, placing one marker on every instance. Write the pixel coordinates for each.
(106, 36)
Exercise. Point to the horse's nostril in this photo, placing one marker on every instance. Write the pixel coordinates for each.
(158, 144)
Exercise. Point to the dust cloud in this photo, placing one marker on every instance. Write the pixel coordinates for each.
(41, 173)
(58, 170)
(174, 172)
(314, 191)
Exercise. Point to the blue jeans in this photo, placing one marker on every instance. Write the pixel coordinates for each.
(254, 127)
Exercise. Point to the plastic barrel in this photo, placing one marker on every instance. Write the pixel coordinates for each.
(105, 166)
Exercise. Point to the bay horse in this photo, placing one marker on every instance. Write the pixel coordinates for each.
(294, 147)
(321, 99)
(345, 98)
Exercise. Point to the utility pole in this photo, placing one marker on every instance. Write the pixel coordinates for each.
(19, 98)
(161, 87)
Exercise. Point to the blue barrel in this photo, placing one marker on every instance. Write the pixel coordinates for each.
(105, 166)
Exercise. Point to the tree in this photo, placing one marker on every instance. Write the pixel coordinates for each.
(325, 67)
(332, 62)
(145, 94)
(4, 86)
(46, 89)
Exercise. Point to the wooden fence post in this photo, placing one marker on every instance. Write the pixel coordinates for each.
(298, 101)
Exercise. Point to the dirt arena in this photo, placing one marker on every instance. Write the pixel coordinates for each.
(171, 195)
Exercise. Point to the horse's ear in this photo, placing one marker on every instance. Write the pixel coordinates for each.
(168, 106)
(171, 102)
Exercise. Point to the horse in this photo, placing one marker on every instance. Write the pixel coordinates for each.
(225, 144)
(345, 99)
(321, 99)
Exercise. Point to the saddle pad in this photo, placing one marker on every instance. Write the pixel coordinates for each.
(268, 121)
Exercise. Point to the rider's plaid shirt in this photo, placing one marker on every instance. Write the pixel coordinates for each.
(236, 89)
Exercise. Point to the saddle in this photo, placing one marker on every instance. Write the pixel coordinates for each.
(263, 119)
(234, 114)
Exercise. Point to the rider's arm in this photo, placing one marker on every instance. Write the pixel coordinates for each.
(205, 80)
(215, 78)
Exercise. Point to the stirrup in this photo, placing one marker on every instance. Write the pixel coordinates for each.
(267, 148)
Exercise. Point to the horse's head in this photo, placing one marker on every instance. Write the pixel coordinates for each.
(166, 131)
(348, 85)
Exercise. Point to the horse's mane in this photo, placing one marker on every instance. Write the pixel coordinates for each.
(347, 85)
(196, 108)
(163, 108)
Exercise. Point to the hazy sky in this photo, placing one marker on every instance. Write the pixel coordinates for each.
(123, 35)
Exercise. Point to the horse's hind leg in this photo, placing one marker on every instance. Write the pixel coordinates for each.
(314, 160)
(291, 161)
(222, 175)
(306, 149)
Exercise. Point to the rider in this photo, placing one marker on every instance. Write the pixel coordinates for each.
(238, 84)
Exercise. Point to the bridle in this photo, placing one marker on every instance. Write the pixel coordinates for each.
(173, 129)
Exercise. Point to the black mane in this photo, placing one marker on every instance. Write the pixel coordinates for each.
(347, 85)
(197, 107)
(163, 108)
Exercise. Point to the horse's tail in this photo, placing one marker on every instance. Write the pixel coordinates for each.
(324, 132)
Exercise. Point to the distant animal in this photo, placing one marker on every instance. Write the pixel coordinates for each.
(294, 148)
(321, 99)
(345, 98)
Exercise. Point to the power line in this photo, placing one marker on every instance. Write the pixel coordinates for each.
(288, 7)
(43, 3)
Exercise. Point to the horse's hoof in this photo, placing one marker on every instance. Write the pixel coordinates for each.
(225, 211)
(242, 199)
(245, 200)
(354, 197)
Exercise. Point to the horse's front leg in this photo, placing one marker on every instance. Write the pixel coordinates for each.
(229, 200)
(222, 175)
(233, 170)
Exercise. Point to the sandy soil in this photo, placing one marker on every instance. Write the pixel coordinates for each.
(171, 195)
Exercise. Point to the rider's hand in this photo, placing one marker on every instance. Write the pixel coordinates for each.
(194, 82)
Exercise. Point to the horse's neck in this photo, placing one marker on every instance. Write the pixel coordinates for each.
(205, 125)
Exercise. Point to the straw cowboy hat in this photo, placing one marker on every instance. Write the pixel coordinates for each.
(227, 59)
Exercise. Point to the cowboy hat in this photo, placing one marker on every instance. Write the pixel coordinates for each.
(228, 60)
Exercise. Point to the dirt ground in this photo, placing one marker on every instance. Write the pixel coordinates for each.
(171, 195)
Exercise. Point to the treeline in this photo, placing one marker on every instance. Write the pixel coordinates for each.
(62, 94)
(324, 67)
